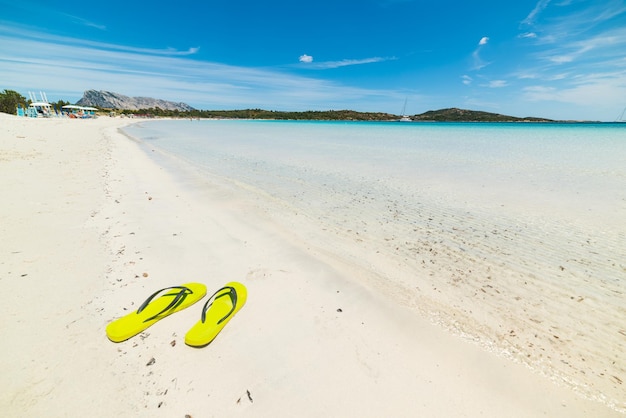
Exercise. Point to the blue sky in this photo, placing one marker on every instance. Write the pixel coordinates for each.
(561, 59)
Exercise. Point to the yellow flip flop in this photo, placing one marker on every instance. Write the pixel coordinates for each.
(169, 300)
(216, 313)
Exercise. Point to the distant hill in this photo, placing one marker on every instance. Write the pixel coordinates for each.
(462, 115)
(109, 100)
(158, 107)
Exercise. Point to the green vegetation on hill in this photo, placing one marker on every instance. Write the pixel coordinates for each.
(266, 114)
(461, 115)
(9, 99)
(443, 115)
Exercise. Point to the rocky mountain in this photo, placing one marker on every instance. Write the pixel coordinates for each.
(109, 100)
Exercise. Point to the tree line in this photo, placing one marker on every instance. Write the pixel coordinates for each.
(10, 99)
(263, 114)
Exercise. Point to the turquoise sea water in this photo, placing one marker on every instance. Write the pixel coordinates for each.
(573, 168)
(513, 235)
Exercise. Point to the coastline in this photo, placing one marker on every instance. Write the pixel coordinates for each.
(94, 226)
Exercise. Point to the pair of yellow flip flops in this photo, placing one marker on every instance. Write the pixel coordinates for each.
(216, 313)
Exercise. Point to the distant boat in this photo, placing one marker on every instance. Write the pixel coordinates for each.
(621, 117)
(404, 117)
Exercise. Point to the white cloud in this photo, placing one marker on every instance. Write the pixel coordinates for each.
(588, 21)
(539, 7)
(561, 59)
(305, 58)
(467, 80)
(539, 89)
(478, 62)
(561, 76)
(601, 90)
(65, 67)
(18, 33)
(604, 46)
(494, 84)
(578, 61)
(528, 35)
(326, 65)
(526, 75)
(84, 22)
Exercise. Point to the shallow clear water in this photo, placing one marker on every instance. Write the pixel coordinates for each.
(513, 235)
(571, 168)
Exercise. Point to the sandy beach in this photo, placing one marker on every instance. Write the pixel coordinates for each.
(91, 226)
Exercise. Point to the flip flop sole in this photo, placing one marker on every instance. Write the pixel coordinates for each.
(158, 306)
(216, 313)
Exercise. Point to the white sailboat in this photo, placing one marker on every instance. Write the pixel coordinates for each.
(404, 117)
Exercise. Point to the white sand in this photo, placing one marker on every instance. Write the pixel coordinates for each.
(85, 214)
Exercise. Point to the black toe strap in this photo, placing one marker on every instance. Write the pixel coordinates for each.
(179, 297)
(233, 298)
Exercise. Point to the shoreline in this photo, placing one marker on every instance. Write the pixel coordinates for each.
(535, 283)
(95, 226)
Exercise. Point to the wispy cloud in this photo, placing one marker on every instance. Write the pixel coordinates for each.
(52, 12)
(577, 42)
(565, 25)
(494, 84)
(467, 80)
(578, 54)
(539, 7)
(604, 45)
(22, 34)
(81, 21)
(326, 65)
(68, 66)
(305, 58)
(478, 63)
(600, 89)
(529, 35)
